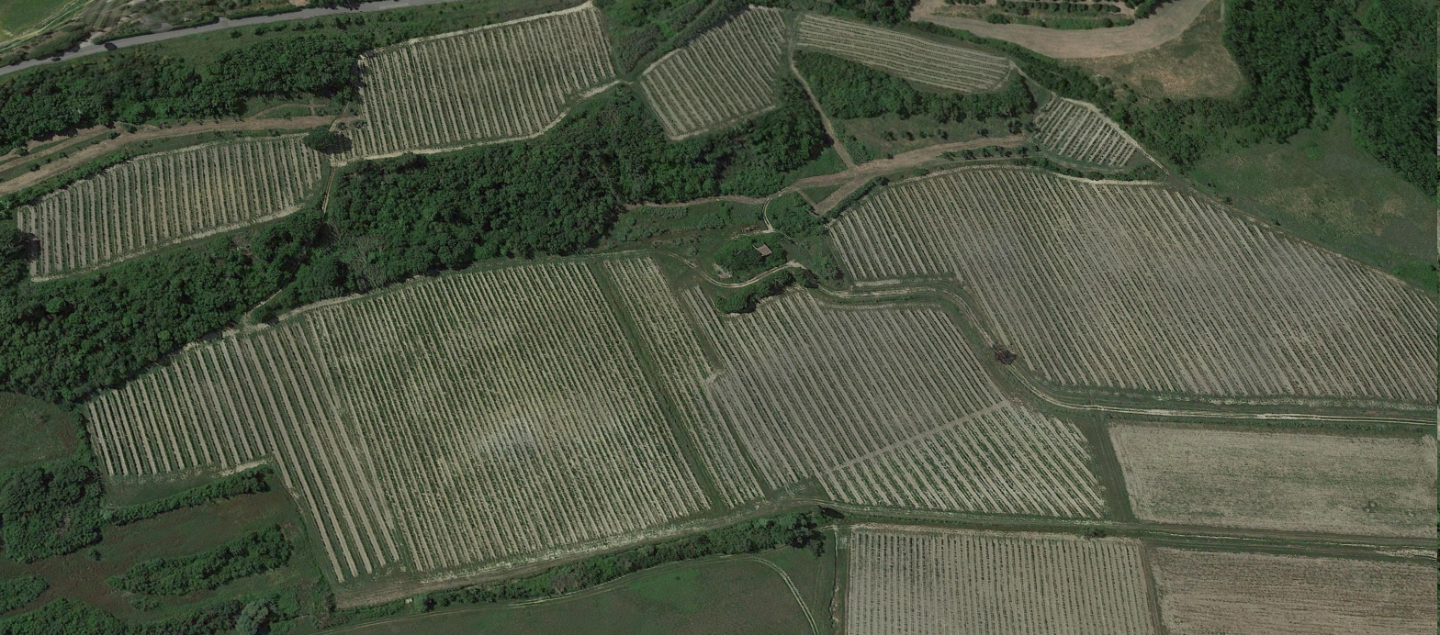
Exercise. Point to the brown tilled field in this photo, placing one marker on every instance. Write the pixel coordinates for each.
(1279, 481)
(1206, 593)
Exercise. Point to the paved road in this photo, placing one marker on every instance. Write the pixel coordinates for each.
(92, 49)
(1169, 21)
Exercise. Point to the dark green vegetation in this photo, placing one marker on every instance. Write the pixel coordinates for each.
(252, 481)
(248, 555)
(57, 508)
(323, 140)
(17, 592)
(388, 221)
(849, 90)
(742, 259)
(32, 431)
(643, 223)
(796, 530)
(741, 596)
(792, 216)
(140, 86)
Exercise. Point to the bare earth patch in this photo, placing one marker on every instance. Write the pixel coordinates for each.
(1282, 481)
(1167, 24)
(1196, 64)
(1205, 593)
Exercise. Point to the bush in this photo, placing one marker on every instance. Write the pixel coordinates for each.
(50, 510)
(848, 90)
(252, 481)
(792, 215)
(323, 140)
(252, 554)
(17, 592)
(741, 257)
(796, 530)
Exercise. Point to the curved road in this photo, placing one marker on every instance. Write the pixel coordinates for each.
(224, 23)
(1169, 21)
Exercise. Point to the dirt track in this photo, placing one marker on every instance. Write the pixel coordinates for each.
(1167, 24)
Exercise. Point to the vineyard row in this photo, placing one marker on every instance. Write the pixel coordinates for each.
(912, 57)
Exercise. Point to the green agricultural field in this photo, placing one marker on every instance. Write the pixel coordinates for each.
(741, 596)
(1321, 187)
(18, 16)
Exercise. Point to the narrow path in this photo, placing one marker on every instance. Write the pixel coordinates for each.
(905, 160)
(824, 119)
(799, 599)
(1169, 21)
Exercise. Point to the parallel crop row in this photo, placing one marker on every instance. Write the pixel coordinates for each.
(453, 424)
(1075, 130)
(157, 200)
(871, 401)
(957, 583)
(505, 81)
(683, 371)
(911, 57)
(726, 74)
(1135, 286)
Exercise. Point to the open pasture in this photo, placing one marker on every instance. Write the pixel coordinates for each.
(725, 75)
(886, 406)
(1202, 593)
(1076, 130)
(161, 199)
(935, 582)
(1139, 287)
(506, 81)
(1279, 481)
(911, 57)
(447, 426)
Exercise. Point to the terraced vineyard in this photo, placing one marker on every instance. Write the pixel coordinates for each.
(156, 200)
(912, 582)
(1260, 594)
(1138, 287)
(885, 406)
(506, 81)
(725, 75)
(1292, 482)
(1076, 130)
(911, 57)
(447, 426)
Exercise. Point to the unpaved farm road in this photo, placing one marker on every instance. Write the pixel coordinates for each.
(89, 48)
(1169, 21)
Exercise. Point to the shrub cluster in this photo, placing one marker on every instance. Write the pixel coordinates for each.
(792, 215)
(745, 300)
(17, 592)
(251, 554)
(252, 481)
(848, 90)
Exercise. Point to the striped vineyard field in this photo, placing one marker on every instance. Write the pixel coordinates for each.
(885, 406)
(683, 372)
(1078, 131)
(911, 57)
(1206, 592)
(725, 75)
(447, 427)
(914, 582)
(157, 200)
(505, 81)
(1138, 287)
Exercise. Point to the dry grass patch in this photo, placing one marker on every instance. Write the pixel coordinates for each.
(1208, 593)
(1196, 64)
(1281, 481)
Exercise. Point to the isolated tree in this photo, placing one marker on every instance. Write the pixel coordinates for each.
(323, 140)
